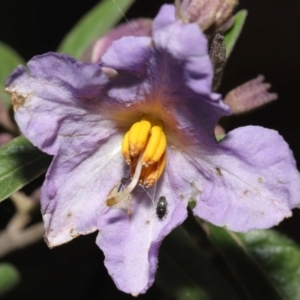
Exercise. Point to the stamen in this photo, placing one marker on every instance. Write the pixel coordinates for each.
(161, 148)
(133, 137)
(138, 136)
(152, 145)
(143, 135)
(119, 196)
(151, 174)
(133, 164)
(144, 149)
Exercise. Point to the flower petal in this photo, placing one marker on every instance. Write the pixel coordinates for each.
(250, 95)
(129, 53)
(170, 78)
(138, 27)
(58, 100)
(165, 17)
(247, 181)
(131, 243)
(185, 75)
(186, 44)
(76, 187)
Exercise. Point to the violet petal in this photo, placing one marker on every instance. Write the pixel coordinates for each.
(131, 243)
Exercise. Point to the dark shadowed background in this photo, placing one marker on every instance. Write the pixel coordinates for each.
(269, 45)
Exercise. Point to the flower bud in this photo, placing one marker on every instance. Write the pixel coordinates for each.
(216, 14)
(250, 95)
(138, 27)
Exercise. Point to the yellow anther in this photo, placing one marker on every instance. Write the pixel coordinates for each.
(151, 174)
(138, 136)
(125, 148)
(143, 135)
(152, 145)
(161, 148)
(133, 138)
(144, 149)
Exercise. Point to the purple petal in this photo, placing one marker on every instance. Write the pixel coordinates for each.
(76, 185)
(165, 17)
(250, 95)
(176, 84)
(250, 182)
(120, 56)
(139, 27)
(59, 100)
(130, 243)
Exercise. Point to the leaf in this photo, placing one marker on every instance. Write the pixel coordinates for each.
(9, 277)
(9, 60)
(234, 32)
(93, 25)
(20, 163)
(266, 263)
(184, 272)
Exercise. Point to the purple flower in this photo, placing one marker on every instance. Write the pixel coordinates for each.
(137, 27)
(250, 95)
(156, 99)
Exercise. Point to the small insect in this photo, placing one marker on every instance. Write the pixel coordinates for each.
(124, 180)
(161, 208)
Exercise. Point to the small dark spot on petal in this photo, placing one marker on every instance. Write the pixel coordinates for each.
(69, 215)
(257, 190)
(219, 171)
(147, 221)
(73, 233)
(246, 192)
(260, 180)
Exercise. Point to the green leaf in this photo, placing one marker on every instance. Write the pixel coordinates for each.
(20, 163)
(234, 32)
(93, 25)
(185, 273)
(266, 264)
(9, 277)
(9, 59)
